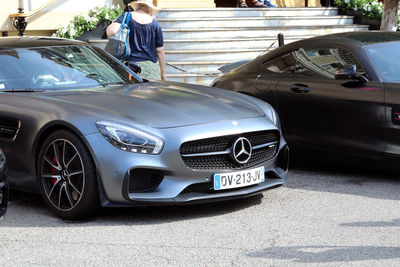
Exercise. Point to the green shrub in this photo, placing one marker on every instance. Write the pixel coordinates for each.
(371, 8)
(81, 23)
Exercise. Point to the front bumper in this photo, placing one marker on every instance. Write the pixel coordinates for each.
(180, 185)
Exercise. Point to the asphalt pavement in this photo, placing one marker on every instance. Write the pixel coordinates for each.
(323, 216)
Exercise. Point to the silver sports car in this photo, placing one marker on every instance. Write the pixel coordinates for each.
(86, 131)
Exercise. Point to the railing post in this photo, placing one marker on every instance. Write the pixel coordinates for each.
(20, 23)
(20, 19)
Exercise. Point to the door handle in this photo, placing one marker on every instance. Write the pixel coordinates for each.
(300, 88)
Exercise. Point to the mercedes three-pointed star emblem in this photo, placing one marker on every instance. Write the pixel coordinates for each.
(241, 150)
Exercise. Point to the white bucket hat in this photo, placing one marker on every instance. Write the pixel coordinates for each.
(149, 3)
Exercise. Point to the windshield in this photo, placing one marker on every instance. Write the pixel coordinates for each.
(60, 68)
(385, 58)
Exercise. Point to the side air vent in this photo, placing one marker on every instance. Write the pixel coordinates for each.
(9, 128)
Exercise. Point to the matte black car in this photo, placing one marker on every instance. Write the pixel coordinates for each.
(3, 185)
(84, 130)
(335, 93)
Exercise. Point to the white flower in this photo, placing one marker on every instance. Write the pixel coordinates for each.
(346, 1)
(72, 32)
(64, 30)
(93, 19)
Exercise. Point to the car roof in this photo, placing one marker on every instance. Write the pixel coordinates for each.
(361, 37)
(35, 41)
(349, 39)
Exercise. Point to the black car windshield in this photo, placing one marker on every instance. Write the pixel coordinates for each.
(60, 68)
(385, 57)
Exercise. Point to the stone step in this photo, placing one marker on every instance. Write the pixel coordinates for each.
(195, 67)
(245, 12)
(184, 3)
(228, 43)
(192, 78)
(212, 55)
(178, 4)
(233, 43)
(196, 33)
(240, 22)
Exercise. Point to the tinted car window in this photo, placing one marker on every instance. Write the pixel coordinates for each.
(282, 64)
(385, 58)
(324, 61)
(59, 67)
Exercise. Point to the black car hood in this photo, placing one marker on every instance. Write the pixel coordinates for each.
(162, 105)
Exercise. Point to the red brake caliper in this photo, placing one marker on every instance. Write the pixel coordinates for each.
(53, 171)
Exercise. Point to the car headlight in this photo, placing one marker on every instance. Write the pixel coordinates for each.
(130, 139)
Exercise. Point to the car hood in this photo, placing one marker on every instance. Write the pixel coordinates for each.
(162, 104)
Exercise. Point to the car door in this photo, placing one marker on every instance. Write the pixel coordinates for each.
(271, 72)
(317, 109)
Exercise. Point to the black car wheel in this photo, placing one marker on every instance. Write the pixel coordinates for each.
(67, 176)
(3, 185)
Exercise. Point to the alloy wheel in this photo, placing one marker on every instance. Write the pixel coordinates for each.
(63, 174)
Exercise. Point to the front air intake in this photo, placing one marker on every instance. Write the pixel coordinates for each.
(144, 180)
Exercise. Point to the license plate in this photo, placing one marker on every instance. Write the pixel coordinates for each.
(238, 179)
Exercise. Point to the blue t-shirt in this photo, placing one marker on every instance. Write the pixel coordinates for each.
(143, 39)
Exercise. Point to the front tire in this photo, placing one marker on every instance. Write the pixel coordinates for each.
(67, 176)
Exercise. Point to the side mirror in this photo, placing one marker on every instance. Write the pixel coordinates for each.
(346, 72)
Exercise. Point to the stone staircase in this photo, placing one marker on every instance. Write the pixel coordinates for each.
(201, 40)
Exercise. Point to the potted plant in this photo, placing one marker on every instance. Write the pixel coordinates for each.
(90, 26)
(367, 12)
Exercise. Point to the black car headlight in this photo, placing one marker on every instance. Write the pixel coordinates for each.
(130, 139)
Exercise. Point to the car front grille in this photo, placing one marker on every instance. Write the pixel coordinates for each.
(213, 153)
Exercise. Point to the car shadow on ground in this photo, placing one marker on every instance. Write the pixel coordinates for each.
(328, 254)
(29, 210)
(377, 184)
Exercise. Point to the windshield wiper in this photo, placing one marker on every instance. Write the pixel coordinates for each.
(112, 84)
(25, 90)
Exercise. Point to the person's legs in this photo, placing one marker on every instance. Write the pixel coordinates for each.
(268, 3)
(257, 3)
(242, 3)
